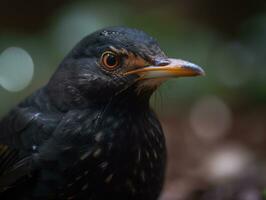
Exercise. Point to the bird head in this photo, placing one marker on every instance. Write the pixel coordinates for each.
(118, 59)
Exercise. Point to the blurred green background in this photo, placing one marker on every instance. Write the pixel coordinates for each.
(220, 116)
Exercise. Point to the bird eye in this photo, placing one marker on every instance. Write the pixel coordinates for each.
(110, 60)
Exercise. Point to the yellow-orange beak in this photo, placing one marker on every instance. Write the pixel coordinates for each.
(171, 68)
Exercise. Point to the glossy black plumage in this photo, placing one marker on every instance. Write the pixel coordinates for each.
(89, 133)
(91, 146)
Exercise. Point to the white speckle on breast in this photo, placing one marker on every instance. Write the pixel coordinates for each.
(34, 147)
(98, 136)
(78, 178)
(103, 165)
(67, 148)
(69, 185)
(97, 152)
(147, 154)
(108, 178)
(110, 145)
(85, 155)
(151, 165)
(157, 139)
(143, 176)
(131, 186)
(139, 155)
(146, 136)
(155, 154)
(116, 124)
(152, 133)
(84, 187)
(161, 145)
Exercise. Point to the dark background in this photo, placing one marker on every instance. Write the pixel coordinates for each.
(215, 125)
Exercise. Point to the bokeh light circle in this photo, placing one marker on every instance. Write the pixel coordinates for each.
(227, 162)
(16, 69)
(210, 118)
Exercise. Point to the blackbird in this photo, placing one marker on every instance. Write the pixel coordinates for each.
(90, 133)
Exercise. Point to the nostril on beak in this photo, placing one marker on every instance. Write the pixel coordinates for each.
(161, 62)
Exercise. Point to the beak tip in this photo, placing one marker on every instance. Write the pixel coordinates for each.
(201, 72)
(195, 69)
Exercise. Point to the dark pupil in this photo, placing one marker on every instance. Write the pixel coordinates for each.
(111, 60)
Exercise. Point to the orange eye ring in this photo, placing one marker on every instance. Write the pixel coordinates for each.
(110, 60)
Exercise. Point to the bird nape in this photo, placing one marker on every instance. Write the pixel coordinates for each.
(90, 132)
